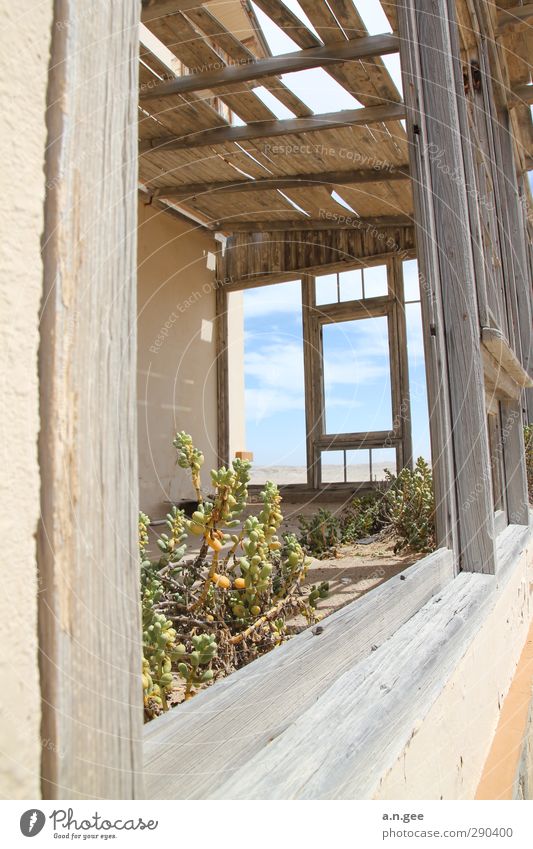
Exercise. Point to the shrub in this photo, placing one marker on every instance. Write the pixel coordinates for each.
(410, 506)
(205, 615)
(362, 518)
(320, 534)
(528, 444)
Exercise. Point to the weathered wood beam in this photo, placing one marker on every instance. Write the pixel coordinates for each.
(235, 52)
(434, 87)
(297, 181)
(153, 9)
(342, 222)
(271, 129)
(515, 15)
(301, 60)
(521, 94)
(282, 684)
(495, 342)
(90, 630)
(262, 257)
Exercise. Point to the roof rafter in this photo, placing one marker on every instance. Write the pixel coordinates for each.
(296, 181)
(152, 9)
(333, 222)
(515, 15)
(270, 129)
(315, 57)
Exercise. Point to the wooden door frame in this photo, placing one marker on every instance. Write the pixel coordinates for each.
(89, 602)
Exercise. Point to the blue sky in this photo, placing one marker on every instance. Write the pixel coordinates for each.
(356, 355)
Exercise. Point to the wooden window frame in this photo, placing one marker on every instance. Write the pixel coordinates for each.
(391, 306)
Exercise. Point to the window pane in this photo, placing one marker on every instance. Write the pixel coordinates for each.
(332, 466)
(410, 280)
(358, 465)
(383, 459)
(326, 289)
(274, 383)
(417, 382)
(351, 285)
(375, 281)
(357, 384)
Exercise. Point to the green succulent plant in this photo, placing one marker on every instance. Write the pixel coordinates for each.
(528, 446)
(214, 610)
(410, 506)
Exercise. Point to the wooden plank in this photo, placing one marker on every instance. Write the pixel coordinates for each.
(498, 346)
(378, 704)
(516, 239)
(354, 441)
(89, 628)
(498, 382)
(155, 9)
(302, 60)
(260, 258)
(271, 129)
(512, 438)
(433, 337)
(396, 286)
(312, 425)
(435, 100)
(515, 15)
(347, 223)
(185, 758)
(182, 39)
(224, 40)
(320, 178)
(376, 708)
(289, 22)
(521, 94)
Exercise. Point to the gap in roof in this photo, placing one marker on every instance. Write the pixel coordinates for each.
(278, 40)
(316, 87)
(293, 203)
(279, 109)
(374, 18)
(338, 199)
(248, 153)
(320, 91)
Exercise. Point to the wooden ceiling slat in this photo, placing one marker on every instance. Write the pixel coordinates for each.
(179, 36)
(212, 27)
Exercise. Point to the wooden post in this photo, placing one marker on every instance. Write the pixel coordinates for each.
(512, 440)
(89, 606)
(432, 88)
(395, 277)
(313, 405)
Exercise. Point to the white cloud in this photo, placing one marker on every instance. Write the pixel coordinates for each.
(277, 376)
(266, 300)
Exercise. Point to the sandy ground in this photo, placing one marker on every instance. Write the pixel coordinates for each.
(354, 571)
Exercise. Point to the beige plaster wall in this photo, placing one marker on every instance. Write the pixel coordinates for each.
(237, 420)
(177, 387)
(445, 756)
(25, 30)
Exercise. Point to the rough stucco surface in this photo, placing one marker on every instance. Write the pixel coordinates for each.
(25, 29)
(177, 382)
(237, 407)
